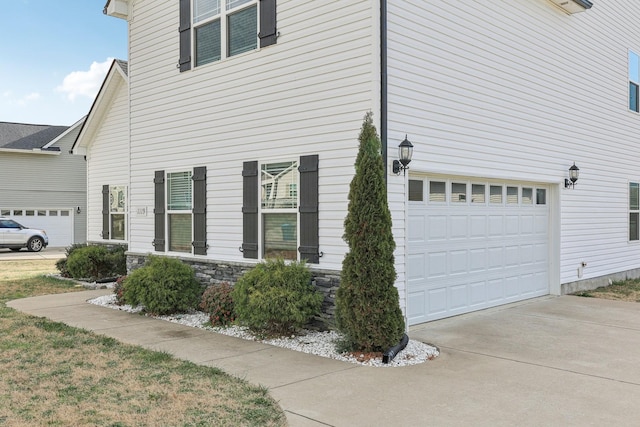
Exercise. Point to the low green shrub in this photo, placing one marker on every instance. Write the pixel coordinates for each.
(217, 302)
(96, 262)
(275, 298)
(163, 286)
(61, 264)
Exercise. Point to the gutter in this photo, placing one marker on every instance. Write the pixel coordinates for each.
(383, 83)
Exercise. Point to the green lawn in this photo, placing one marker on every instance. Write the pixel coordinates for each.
(55, 375)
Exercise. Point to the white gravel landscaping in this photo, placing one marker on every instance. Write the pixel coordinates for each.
(313, 342)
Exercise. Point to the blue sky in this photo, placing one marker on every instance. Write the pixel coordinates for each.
(54, 56)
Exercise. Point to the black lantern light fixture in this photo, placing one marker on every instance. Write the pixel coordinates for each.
(574, 172)
(405, 151)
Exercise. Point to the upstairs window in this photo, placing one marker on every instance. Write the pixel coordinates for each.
(211, 30)
(634, 81)
(223, 28)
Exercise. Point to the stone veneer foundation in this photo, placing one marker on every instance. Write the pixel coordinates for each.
(210, 271)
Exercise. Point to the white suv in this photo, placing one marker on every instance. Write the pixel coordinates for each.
(16, 236)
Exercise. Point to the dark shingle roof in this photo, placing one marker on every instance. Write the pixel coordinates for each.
(20, 136)
(124, 65)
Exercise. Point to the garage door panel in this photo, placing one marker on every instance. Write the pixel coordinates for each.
(459, 262)
(477, 293)
(496, 225)
(437, 228)
(417, 227)
(477, 260)
(478, 226)
(436, 264)
(495, 290)
(476, 254)
(415, 268)
(437, 301)
(526, 225)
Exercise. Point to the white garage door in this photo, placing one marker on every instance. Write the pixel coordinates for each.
(474, 244)
(58, 223)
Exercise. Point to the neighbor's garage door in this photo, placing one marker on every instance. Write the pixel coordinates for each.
(58, 223)
(474, 244)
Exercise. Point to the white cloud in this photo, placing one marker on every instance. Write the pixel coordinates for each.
(27, 98)
(85, 83)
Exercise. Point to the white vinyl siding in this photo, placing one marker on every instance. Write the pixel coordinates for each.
(519, 90)
(249, 106)
(44, 181)
(107, 158)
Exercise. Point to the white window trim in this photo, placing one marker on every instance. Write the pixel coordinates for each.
(175, 211)
(262, 211)
(125, 213)
(224, 33)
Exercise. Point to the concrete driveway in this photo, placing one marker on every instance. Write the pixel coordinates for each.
(553, 361)
(46, 253)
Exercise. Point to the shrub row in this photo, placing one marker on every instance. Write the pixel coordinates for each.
(274, 298)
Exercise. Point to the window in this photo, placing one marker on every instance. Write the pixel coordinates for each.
(512, 195)
(477, 193)
(117, 212)
(274, 221)
(179, 204)
(437, 191)
(495, 194)
(180, 211)
(527, 196)
(634, 81)
(634, 210)
(458, 192)
(415, 190)
(114, 212)
(5, 212)
(224, 28)
(279, 210)
(541, 196)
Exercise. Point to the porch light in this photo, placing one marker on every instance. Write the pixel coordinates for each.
(574, 172)
(405, 151)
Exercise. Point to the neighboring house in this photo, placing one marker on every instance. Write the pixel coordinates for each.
(227, 100)
(104, 141)
(41, 184)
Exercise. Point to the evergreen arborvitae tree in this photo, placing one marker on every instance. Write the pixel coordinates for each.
(367, 303)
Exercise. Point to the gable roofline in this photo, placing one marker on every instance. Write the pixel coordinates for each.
(119, 70)
(65, 133)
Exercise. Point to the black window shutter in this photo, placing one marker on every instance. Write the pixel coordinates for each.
(268, 33)
(158, 211)
(250, 209)
(105, 212)
(199, 178)
(309, 240)
(185, 35)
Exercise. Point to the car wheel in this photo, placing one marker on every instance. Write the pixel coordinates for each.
(15, 249)
(35, 244)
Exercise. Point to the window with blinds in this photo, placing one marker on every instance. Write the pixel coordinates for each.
(179, 204)
(228, 28)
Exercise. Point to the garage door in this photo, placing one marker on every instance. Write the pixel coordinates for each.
(58, 223)
(474, 244)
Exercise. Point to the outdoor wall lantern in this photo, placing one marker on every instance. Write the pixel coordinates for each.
(405, 151)
(574, 172)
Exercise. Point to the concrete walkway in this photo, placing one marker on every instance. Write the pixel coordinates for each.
(554, 361)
